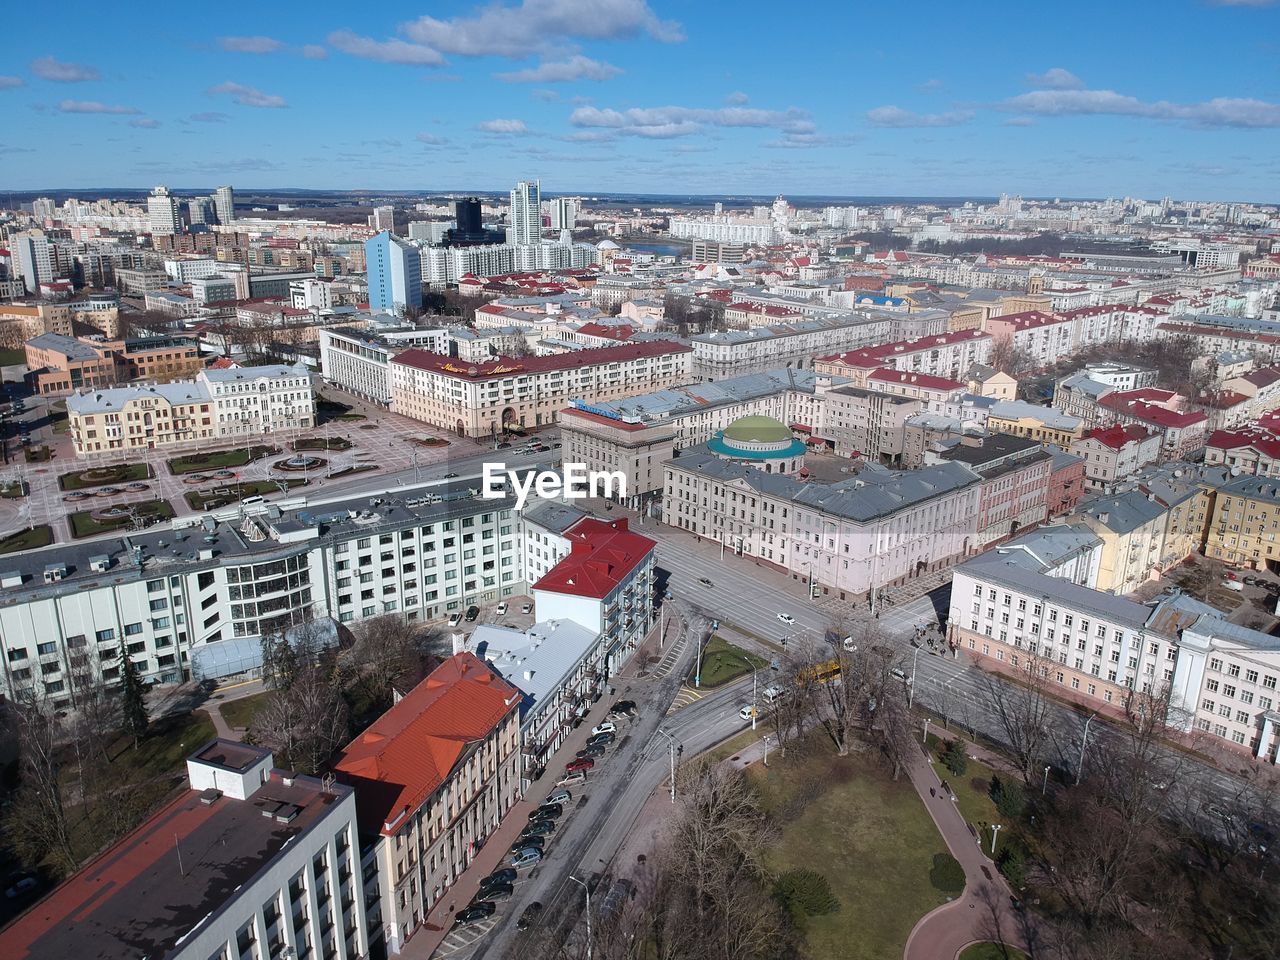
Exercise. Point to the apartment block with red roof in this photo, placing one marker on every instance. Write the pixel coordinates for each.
(1160, 411)
(948, 355)
(1113, 453)
(1043, 338)
(433, 777)
(1253, 449)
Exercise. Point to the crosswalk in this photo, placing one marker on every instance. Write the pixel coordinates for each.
(686, 696)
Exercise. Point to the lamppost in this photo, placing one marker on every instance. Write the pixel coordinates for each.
(588, 889)
(754, 701)
(1045, 788)
(911, 687)
(995, 832)
(672, 743)
(1084, 739)
(924, 739)
(766, 760)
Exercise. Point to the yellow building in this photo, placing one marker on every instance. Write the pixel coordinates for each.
(1022, 419)
(1245, 524)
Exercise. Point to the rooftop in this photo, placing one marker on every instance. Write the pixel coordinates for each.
(510, 366)
(536, 660)
(601, 556)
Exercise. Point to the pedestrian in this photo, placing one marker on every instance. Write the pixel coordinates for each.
(932, 792)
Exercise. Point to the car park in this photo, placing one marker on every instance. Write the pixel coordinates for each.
(474, 914)
(502, 609)
(604, 737)
(526, 857)
(787, 618)
(605, 727)
(529, 916)
(581, 765)
(558, 798)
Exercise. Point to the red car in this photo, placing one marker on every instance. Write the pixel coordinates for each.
(582, 763)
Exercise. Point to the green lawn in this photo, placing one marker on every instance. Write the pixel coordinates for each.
(972, 791)
(220, 460)
(232, 492)
(38, 454)
(102, 476)
(869, 836)
(323, 443)
(9, 358)
(83, 524)
(40, 536)
(991, 951)
(240, 713)
(13, 489)
(740, 742)
(722, 662)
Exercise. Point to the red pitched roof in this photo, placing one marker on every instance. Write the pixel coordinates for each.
(510, 366)
(916, 379)
(409, 752)
(1117, 437)
(601, 555)
(878, 356)
(1145, 405)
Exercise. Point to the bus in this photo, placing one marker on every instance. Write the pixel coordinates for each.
(823, 672)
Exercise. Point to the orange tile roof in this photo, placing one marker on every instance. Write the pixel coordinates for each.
(409, 752)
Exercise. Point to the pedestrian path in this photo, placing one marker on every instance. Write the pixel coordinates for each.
(671, 655)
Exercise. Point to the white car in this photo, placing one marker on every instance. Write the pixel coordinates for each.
(748, 713)
(502, 609)
(605, 727)
(526, 608)
(774, 693)
(787, 618)
(455, 619)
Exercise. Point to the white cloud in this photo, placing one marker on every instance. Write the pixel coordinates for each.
(431, 140)
(248, 96)
(546, 96)
(666, 122)
(929, 86)
(1019, 122)
(210, 116)
(93, 106)
(313, 51)
(512, 31)
(9, 83)
(508, 128)
(1218, 112)
(562, 71)
(144, 123)
(892, 116)
(737, 98)
(385, 51)
(1055, 78)
(50, 68)
(250, 44)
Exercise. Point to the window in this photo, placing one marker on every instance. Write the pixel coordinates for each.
(44, 649)
(1251, 676)
(105, 636)
(132, 629)
(159, 604)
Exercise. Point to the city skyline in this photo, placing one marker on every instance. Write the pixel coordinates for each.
(629, 96)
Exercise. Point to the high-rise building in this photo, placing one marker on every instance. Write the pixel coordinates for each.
(524, 221)
(564, 213)
(224, 203)
(384, 218)
(42, 208)
(162, 211)
(201, 210)
(31, 258)
(470, 231)
(394, 269)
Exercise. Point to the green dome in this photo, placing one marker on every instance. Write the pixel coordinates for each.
(757, 429)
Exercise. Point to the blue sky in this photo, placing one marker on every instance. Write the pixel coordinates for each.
(852, 98)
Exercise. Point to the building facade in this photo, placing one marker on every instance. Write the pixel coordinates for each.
(394, 270)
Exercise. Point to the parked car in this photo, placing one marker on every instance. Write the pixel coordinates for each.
(774, 693)
(899, 674)
(526, 857)
(538, 828)
(505, 875)
(22, 887)
(581, 765)
(495, 893)
(526, 608)
(1235, 585)
(529, 916)
(602, 738)
(558, 798)
(523, 842)
(592, 751)
(571, 779)
(502, 609)
(1250, 581)
(472, 612)
(548, 811)
(455, 619)
(605, 727)
(787, 618)
(474, 914)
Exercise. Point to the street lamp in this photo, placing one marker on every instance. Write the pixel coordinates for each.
(1084, 739)
(1045, 789)
(995, 832)
(766, 754)
(588, 889)
(754, 675)
(924, 739)
(672, 741)
(911, 687)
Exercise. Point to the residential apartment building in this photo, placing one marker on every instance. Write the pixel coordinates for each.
(1043, 339)
(394, 268)
(948, 355)
(59, 365)
(733, 353)
(1244, 523)
(359, 361)
(433, 777)
(1044, 424)
(1115, 453)
(869, 424)
(481, 399)
(1182, 433)
(1015, 482)
(262, 862)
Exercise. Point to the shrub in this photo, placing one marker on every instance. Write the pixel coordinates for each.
(1008, 797)
(1012, 862)
(947, 875)
(805, 893)
(955, 759)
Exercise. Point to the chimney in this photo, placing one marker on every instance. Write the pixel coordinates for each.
(458, 641)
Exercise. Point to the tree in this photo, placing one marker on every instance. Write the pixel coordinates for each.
(805, 893)
(1022, 708)
(133, 700)
(383, 659)
(955, 758)
(304, 724)
(1009, 798)
(36, 823)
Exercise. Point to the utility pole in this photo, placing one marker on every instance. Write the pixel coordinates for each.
(995, 832)
(588, 890)
(1084, 739)
(672, 746)
(911, 687)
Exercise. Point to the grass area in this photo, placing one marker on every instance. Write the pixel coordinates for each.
(220, 459)
(323, 443)
(240, 713)
(972, 791)
(84, 525)
(722, 662)
(991, 951)
(13, 489)
(738, 742)
(347, 471)
(40, 536)
(9, 358)
(224, 494)
(870, 836)
(38, 454)
(102, 476)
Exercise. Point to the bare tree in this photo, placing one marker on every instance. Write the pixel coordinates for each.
(1022, 708)
(383, 658)
(305, 723)
(36, 822)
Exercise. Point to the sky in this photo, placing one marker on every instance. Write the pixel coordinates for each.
(829, 97)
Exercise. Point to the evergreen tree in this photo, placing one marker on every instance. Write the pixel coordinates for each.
(279, 661)
(133, 700)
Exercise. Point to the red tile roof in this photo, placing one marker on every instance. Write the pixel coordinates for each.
(601, 555)
(409, 752)
(1116, 436)
(878, 356)
(511, 366)
(916, 379)
(1145, 405)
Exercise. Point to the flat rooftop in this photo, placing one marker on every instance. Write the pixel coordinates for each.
(137, 900)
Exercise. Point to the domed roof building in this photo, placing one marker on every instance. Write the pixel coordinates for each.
(760, 442)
